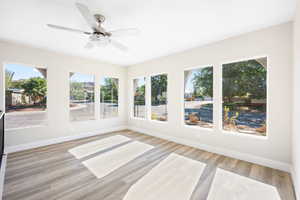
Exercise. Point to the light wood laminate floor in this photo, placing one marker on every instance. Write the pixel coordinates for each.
(51, 172)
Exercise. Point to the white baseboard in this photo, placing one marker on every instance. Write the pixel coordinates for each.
(296, 184)
(32, 145)
(2, 174)
(226, 152)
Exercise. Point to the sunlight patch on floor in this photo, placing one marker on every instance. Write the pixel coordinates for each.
(96, 146)
(228, 185)
(174, 178)
(108, 162)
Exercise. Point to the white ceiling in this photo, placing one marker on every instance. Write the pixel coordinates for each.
(167, 26)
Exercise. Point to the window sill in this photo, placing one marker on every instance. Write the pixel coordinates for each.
(137, 118)
(27, 127)
(159, 122)
(108, 118)
(199, 128)
(231, 133)
(78, 121)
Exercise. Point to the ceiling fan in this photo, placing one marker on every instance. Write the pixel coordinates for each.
(98, 36)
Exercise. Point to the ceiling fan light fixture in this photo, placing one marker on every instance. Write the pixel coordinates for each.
(103, 42)
(98, 36)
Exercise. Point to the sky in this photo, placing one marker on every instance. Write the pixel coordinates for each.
(102, 80)
(189, 88)
(25, 72)
(140, 81)
(78, 77)
(22, 71)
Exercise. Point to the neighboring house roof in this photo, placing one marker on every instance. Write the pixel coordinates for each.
(15, 90)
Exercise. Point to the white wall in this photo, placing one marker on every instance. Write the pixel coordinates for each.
(274, 42)
(59, 66)
(296, 109)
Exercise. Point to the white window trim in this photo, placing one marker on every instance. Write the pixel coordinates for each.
(69, 89)
(182, 97)
(99, 95)
(4, 102)
(220, 115)
(131, 100)
(149, 107)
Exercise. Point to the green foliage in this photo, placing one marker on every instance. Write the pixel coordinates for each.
(8, 79)
(231, 120)
(159, 89)
(139, 95)
(81, 91)
(35, 88)
(18, 84)
(109, 91)
(245, 79)
(203, 82)
(77, 91)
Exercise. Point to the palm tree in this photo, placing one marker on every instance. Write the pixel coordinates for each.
(8, 78)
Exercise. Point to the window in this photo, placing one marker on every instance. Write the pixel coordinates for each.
(245, 96)
(159, 97)
(25, 96)
(109, 97)
(82, 92)
(198, 97)
(139, 107)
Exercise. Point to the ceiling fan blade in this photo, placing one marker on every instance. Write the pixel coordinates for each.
(87, 15)
(118, 45)
(89, 45)
(125, 32)
(68, 29)
(103, 42)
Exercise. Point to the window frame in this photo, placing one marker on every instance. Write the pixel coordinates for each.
(47, 94)
(132, 98)
(183, 124)
(220, 91)
(149, 107)
(95, 96)
(99, 96)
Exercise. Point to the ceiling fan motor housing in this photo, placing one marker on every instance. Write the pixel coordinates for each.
(100, 18)
(96, 37)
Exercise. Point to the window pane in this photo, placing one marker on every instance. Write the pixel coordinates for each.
(159, 97)
(139, 108)
(109, 97)
(82, 92)
(25, 96)
(198, 97)
(245, 96)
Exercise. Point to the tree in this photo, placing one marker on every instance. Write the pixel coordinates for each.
(82, 91)
(77, 91)
(203, 82)
(109, 90)
(245, 79)
(159, 89)
(18, 83)
(139, 95)
(35, 88)
(8, 79)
